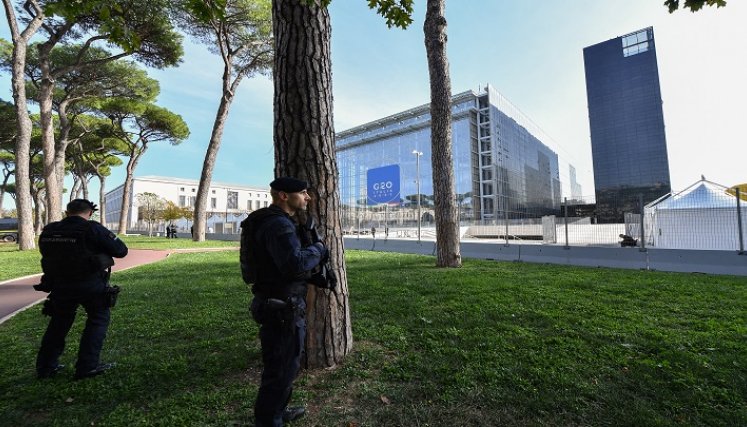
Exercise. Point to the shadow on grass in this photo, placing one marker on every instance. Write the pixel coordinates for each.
(488, 344)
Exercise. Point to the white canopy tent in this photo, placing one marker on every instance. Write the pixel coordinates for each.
(703, 216)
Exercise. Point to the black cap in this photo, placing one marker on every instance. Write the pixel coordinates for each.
(81, 205)
(288, 184)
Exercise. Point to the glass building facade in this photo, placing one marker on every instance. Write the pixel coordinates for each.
(627, 124)
(502, 168)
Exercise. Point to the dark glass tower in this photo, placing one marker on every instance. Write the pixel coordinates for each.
(628, 144)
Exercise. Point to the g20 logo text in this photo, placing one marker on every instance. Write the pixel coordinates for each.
(383, 185)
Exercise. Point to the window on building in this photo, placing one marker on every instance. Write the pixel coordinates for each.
(635, 43)
(233, 200)
(487, 174)
(487, 189)
(181, 188)
(182, 200)
(213, 203)
(192, 200)
(487, 205)
(248, 205)
(256, 204)
(213, 191)
(193, 190)
(267, 203)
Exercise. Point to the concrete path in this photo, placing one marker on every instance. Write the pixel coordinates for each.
(17, 295)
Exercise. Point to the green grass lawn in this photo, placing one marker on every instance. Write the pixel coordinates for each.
(145, 242)
(490, 344)
(15, 263)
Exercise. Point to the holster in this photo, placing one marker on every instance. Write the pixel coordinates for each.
(283, 311)
(111, 293)
(48, 307)
(43, 287)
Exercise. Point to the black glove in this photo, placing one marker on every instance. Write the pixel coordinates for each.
(323, 251)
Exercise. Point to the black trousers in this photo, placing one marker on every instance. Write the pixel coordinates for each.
(282, 334)
(63, 316)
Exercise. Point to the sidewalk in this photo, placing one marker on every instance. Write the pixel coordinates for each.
(18, 294)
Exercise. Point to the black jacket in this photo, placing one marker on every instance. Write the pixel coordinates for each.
(99, 240)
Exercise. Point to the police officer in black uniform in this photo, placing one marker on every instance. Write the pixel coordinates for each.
(76, 257)
(282, 266)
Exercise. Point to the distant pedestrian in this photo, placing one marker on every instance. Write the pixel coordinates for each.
(373, 232)
(168, 232)
(172, 228)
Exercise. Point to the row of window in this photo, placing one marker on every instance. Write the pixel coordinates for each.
(250, 204)
(230, 195)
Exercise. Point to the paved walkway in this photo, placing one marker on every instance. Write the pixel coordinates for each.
(18, 294)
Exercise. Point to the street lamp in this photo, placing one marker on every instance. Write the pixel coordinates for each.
(417, 183)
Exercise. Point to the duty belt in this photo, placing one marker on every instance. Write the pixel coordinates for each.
(282, 294)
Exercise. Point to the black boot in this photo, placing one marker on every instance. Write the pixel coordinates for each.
(291, 413)
(103, 367)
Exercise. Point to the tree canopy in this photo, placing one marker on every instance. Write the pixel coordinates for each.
(693, 5)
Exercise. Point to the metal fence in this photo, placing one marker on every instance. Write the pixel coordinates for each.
(705, 216)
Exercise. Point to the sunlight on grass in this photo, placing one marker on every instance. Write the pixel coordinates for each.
(145, 242)
(488, 344)
(15, 263)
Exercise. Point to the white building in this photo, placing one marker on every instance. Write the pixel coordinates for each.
(228, 204)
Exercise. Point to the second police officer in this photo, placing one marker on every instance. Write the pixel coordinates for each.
(76, 258)
(278, 265)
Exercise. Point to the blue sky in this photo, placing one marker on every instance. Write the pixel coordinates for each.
(530, 51)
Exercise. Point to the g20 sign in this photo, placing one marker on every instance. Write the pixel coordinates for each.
(383, 184)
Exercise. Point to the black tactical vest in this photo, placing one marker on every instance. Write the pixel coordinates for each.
(249, 257)
(64, 250)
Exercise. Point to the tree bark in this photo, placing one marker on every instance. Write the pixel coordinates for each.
(38, 198)
(24, 208)
(6, 177)
(60, 146)
(52, 182)
(200, 215)
(448, 253)
(102, 200)
(127, 189)
(304, 148)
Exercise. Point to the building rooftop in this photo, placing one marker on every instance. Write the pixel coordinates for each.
(195, 182)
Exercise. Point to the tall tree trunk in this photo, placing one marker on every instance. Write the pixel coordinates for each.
(51, 183)
(127, 189)
(200, 216)
(304, 148)
(60, 146)
(75, 190)
(6, 177)
(102, 200)
(448, 253)
(38, 196)
(84, 187)
(26, 235)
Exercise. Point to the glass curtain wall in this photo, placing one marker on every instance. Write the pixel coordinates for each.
(502, 170)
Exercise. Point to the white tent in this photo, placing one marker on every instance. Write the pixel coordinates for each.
(703, 216)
